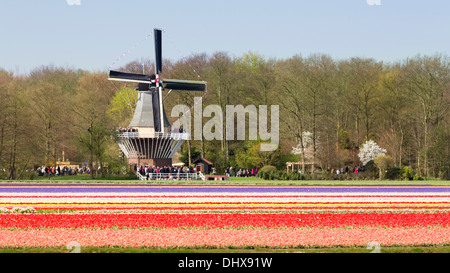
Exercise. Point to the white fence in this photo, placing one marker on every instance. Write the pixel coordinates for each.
(168, 176)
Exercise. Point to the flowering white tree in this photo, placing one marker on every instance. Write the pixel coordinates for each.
(369, 151)
(307, 140)
(296, 150)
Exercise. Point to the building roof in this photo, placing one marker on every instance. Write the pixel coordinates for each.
(204, 160)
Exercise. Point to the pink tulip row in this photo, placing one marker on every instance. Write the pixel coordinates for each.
(172, 237)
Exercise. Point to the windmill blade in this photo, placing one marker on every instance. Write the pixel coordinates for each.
(130, 77)
(158, 50)
(143, 86)
(184, 85)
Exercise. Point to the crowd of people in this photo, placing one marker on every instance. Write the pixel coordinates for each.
(175, 171)
(230, 171)
(127, 129)
(354, 170)
(144, 170)
(132, 130)
(59, 171)
(147, 171)
(338, 171)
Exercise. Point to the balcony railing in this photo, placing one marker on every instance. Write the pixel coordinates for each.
(173, 135)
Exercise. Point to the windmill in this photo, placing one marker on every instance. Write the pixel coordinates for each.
(149, 139)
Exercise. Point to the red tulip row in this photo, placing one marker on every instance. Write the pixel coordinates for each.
(229, 220)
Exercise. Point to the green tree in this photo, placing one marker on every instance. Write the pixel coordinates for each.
(427, 80)
(383, 162)
(364, 86)
(48, 96)
(92, 101)
(222, 85)
(5, 97)
(16, 136)
(293, 114)
(251, 156)
(122, 105)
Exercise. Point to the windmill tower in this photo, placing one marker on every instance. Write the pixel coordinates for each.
(149, 139)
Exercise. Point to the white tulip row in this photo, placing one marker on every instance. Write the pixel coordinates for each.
(243, 199)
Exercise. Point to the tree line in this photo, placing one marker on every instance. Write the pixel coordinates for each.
(328, 109)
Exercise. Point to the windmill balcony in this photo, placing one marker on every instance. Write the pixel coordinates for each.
(173, 135)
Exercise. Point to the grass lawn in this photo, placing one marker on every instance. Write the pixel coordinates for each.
(233, 180)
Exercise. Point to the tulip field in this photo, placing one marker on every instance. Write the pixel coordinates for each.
(136, 215)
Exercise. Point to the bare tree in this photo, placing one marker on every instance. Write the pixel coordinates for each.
(428, 82)
(92, 101)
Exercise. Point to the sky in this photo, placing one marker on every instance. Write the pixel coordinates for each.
(98, 35)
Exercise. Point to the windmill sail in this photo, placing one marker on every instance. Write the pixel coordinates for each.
(130, 77)
(184, 85)
(158, 51)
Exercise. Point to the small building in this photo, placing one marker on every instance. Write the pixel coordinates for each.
(203, 165)
(67, 164)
